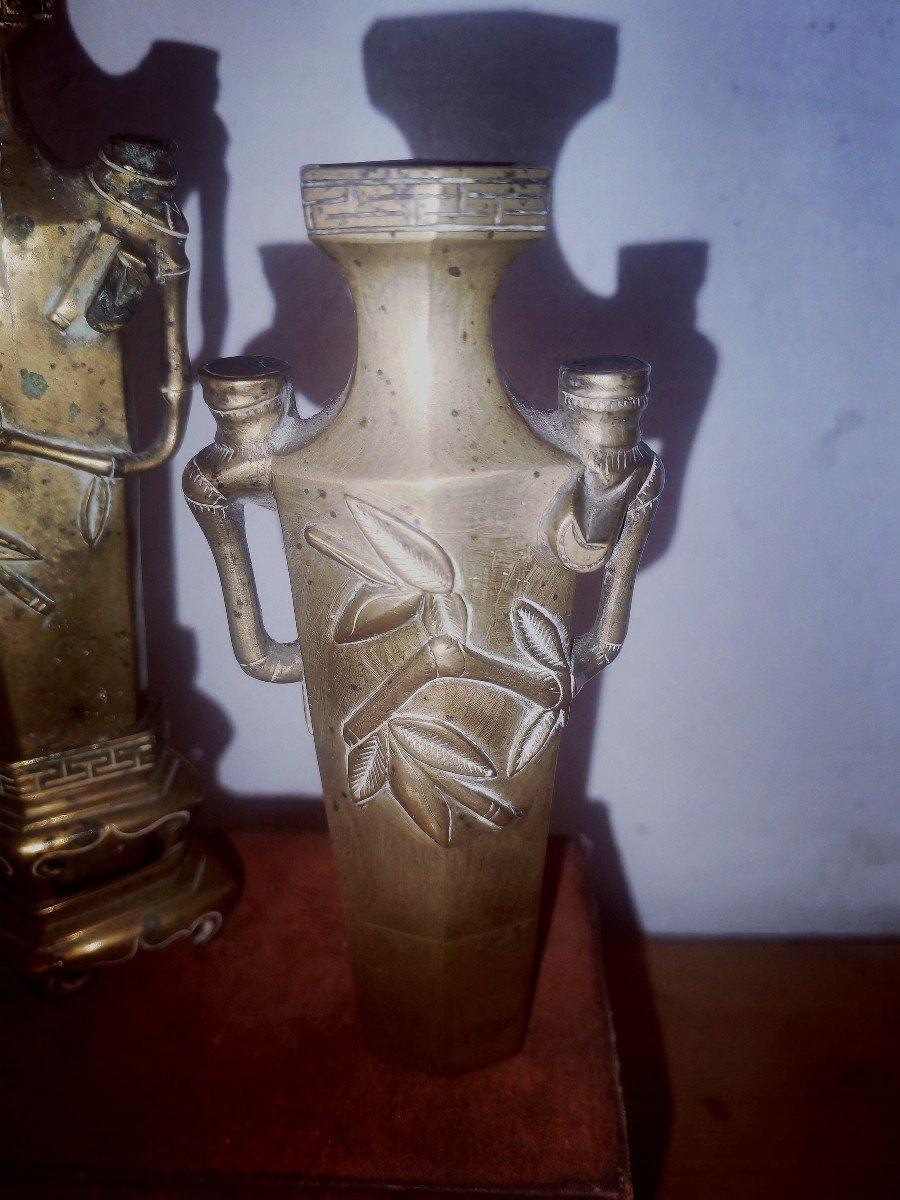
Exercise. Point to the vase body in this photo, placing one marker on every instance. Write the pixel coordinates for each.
(426, 520)
(91, 795)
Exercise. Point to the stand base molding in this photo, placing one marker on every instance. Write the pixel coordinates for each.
(56, 948)
(97, 861)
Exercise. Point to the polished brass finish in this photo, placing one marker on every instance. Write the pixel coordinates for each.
(434, 530)
(88, 790)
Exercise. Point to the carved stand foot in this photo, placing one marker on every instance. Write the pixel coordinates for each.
(96, 862)
(56, 948)
(73, 818)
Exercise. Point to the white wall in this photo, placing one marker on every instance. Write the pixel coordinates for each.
(757, 791)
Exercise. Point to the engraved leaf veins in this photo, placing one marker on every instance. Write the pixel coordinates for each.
(367, 767)
(417, 559)
(538, 636)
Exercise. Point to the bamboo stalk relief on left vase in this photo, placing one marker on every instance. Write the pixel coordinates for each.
(95, 858)
(434, 530)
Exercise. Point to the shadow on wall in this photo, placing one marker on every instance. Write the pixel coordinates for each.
(171, 94)
(510, 87)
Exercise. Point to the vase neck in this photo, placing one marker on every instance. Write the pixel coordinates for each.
(422, 246)
(423, 312)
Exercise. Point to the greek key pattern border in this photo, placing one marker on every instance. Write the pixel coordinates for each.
(335, 206)
(70, 770)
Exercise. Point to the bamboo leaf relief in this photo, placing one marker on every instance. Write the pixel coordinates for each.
(446, 614)
(372, 613)
(425, 764)
(531, 740)
(486, 807)
(419, 798)
(95, 509)
(538, 635)
(24, 590)
(15, 548)
(367, 767)
(437, 744)
(414, 557)
(342, 552)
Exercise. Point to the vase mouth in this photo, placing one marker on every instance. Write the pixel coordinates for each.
(608, 383)
(391, 200)
(231, 385)
(416, 166)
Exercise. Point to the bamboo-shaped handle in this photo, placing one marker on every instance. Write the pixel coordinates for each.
(602, 643)
(222, 521)
(601, 401)
(171, 275)
(250, 398)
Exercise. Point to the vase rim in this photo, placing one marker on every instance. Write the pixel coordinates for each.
(413, 199)
(605, 383)
(422, 167)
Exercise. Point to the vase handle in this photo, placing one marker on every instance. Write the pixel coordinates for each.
(250, 399)
(597, 648)
(607, 518)
(170, 272)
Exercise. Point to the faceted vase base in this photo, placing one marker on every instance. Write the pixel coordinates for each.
(443, 1007)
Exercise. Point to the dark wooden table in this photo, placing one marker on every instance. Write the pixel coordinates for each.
(761, 1069)
(783, 1063)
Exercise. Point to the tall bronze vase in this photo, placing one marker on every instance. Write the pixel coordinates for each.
(434, 531)
(95, 863)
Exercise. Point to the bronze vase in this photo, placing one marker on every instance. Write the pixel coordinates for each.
(434, 530)
(95, 863)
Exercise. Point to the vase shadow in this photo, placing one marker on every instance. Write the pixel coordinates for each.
(170, 94)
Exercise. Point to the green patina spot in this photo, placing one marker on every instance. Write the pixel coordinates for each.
(19, 229)
(33, 384)
(74, 410)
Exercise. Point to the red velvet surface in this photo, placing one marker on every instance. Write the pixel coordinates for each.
(238, 1068)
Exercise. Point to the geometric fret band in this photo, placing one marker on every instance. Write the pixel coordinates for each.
(69, 770)
(348, 201)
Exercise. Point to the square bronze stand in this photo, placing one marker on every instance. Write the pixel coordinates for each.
(239, 1069)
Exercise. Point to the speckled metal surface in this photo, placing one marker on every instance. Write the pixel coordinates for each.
(434, 530)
